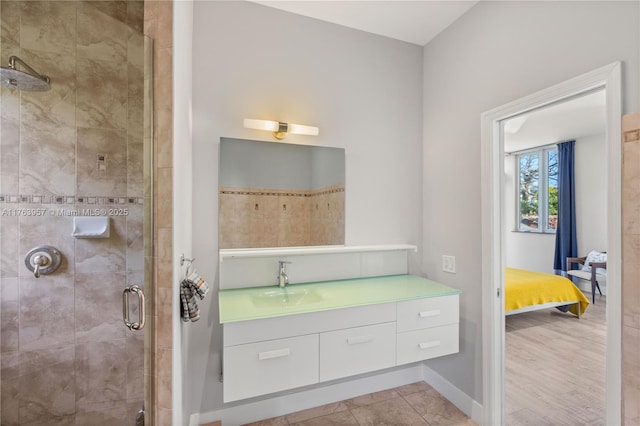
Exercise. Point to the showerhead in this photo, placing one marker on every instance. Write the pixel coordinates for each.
(30, 81)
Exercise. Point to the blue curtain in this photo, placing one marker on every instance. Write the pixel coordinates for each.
(566, 241)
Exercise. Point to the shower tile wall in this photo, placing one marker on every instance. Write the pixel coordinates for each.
(631, 269)
(158, 24)
(64, 350)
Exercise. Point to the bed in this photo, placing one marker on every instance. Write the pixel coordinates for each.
(527, 291)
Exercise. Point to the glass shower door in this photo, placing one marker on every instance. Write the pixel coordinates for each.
(82, 148)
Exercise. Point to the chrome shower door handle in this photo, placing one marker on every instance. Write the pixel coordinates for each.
(125, 307)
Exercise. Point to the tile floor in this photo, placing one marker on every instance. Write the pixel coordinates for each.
(413, 404)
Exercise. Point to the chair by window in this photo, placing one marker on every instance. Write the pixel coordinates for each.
(593, 268)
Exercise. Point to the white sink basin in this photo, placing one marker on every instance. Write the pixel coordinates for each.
(286, 296)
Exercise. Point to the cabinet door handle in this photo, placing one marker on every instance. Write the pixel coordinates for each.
(425, 314)
(359, 339)
(278, 353)
(427, 345)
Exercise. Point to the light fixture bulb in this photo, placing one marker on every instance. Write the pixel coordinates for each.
(299, 129)
(279, 128)
(271, 126)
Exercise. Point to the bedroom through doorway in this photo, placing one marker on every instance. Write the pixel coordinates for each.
(494, 247)
(554, 362)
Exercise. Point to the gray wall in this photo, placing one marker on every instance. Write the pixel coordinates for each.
(496, 53)
(363, 91)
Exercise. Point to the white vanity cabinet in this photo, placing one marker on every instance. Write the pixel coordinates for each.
(264, 367)
(357, 350)
(268, 355)
(427, 328)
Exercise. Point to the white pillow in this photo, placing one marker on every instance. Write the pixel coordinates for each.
(595, 256)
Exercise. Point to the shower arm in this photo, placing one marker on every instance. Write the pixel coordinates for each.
(12, 65)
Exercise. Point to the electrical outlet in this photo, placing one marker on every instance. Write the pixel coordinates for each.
(449, 264)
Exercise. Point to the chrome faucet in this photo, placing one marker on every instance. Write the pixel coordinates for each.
(283, 279)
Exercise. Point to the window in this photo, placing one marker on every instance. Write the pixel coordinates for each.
(538, 190)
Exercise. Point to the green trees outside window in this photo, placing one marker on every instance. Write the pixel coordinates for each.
(538, 190)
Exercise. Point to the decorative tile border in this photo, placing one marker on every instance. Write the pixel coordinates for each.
(631, 135)
(69, 199)
(280, 193)
(265, 193)
(327, 191)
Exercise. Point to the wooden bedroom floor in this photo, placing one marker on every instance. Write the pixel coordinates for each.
(555, 367)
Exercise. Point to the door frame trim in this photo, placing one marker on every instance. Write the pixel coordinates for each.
(493, 238)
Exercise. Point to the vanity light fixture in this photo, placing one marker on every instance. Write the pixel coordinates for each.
(280, 129)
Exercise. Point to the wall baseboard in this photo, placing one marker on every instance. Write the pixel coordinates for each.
(280, 405)
(464, 402)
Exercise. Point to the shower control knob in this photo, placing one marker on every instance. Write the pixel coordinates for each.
(43, 260)
(39, 261)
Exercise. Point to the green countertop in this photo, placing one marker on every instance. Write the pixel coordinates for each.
(272, 301)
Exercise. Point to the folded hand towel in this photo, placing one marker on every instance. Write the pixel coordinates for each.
(189, 308)
(198, 284)
(190, 287)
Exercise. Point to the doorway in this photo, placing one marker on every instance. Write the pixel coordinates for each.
(554, 365)
(493, 236)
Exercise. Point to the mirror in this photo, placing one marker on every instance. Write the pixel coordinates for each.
(273, 194)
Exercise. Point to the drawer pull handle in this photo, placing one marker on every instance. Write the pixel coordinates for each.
(428, 345)
(278, 353)
(359, 339)
(425, 314)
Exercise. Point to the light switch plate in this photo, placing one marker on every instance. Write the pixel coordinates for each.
(449, 264)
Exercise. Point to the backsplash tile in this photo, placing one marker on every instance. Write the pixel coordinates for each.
(262, 217)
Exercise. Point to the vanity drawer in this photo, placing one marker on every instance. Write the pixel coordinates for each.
(429, 312)
(357, 350)
(271, 366)
(428, 343)
(240, 332)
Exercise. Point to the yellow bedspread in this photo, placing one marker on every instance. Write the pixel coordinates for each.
(528, 288)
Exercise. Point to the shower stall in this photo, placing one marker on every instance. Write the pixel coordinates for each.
(76, 213)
